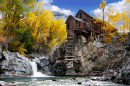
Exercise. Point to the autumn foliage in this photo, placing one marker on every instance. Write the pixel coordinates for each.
(113, 22)
(28, 27)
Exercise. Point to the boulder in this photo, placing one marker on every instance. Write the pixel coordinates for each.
(13, 65)
(49, 67)
(44, 65)
(2, 83)
(125, 76)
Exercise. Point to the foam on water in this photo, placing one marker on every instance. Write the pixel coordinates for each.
(35, 71)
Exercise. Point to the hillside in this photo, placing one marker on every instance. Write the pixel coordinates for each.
(94, 58)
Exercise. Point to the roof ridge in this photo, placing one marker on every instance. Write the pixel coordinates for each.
(78, 19)
(85, 13)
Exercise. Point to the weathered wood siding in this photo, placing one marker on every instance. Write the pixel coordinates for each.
(88, 19)
(71, 23)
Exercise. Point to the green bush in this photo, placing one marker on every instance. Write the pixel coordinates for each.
(27, 38)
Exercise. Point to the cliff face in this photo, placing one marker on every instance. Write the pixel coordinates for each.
(94, 55)
(94, 58)
(58, 60)
(88, 52)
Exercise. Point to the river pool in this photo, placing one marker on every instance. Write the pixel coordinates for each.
(57, 81)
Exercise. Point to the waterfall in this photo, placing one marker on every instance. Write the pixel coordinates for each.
(35, 71)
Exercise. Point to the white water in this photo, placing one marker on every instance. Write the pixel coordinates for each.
(35, 71)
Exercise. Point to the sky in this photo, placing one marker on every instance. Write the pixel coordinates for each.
(71, 7)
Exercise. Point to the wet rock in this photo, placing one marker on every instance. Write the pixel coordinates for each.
(44, 65)
(126, 77)
(119, 75)
(107, 75)
(2, 83)
(123, 74)
(53, 64)
(95, 79)
(59, 68)
(73, 79)
(54, 80)
(79, 83)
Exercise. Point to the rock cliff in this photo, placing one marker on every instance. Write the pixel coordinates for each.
(95, 58)
(12, 64)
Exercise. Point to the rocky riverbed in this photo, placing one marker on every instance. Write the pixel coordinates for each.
(62, 81)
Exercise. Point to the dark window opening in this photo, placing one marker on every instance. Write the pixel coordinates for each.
(79, 24)
(80, 15)
(76, 21)
(68, 25)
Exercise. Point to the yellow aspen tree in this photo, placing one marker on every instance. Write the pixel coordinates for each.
(123, 18)
(127, 1)
(13, 11)
(102, 5)
(57, 32)
(108, 25)
(40, 22)
(47, 32)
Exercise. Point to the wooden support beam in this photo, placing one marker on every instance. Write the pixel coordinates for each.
(70, 56)
(69, 59)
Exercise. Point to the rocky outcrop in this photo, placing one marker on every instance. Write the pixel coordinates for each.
(12, 64)
(112, 60)
(119, 74)
(44, 66)
(58, 60)
(54, 64)
(87, 53)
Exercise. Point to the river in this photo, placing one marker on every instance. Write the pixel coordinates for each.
(39, 79)
(57, 81)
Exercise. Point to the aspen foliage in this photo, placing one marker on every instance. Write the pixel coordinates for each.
(103, 4)
(57, 32)
(47, 32)
(13, 11)
(127, 1)
(27, 26)
(108, 26)
(124, 19)
(111, 19)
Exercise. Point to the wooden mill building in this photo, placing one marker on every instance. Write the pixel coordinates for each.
(81, 24)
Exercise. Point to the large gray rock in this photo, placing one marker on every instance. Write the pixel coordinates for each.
(13, 64)
(87, 52)
(44, 65)
(119, 75)
(54, 64)
(49, 67)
